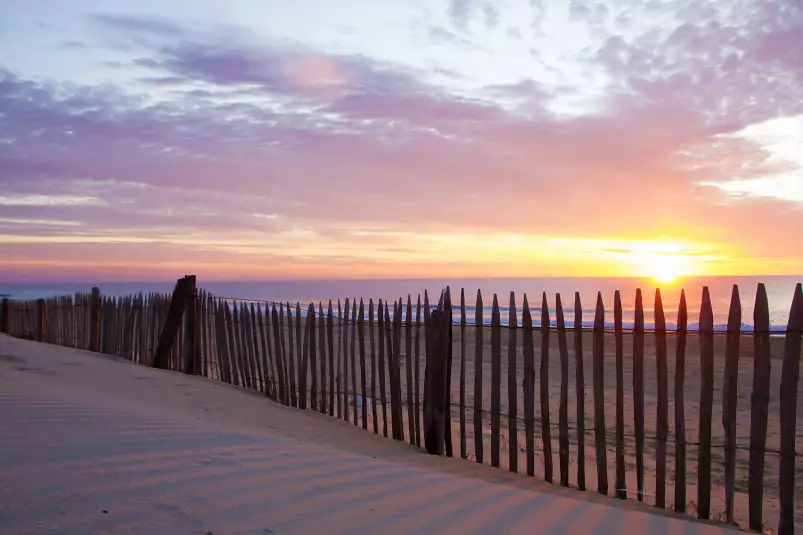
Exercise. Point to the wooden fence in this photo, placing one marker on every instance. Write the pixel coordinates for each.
(406, 370)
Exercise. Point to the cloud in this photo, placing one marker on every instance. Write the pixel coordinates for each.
(75, 45)
(772, 165)
(38, 222)
(157, 26)
(788, 188)
(460, 10)
(49, 200)
(491, 14)
(273, 141)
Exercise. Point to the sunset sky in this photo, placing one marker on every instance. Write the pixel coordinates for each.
(331, 139)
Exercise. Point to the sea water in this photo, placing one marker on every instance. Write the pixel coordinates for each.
(780, 290)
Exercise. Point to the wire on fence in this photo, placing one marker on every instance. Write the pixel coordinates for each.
(552, 328)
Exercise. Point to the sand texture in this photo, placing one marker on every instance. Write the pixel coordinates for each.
(92, 444)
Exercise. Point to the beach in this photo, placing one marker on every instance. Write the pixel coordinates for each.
(95, 445)
(691, 404)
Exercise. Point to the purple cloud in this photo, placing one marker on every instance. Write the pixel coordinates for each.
(140, 25)
(327, 141)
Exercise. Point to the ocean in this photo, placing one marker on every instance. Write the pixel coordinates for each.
(780, 290)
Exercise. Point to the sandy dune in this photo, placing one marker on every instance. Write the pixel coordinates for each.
(91, 444)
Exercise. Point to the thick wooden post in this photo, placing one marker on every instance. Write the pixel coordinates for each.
(381, 362)
(40, 320)
(343, 372)
(638, 392)
(278, 342)
(322, 346)
(579, 391)
(190, 345)
(311, 359)
(706, 405)
(353, 358)
(759, 406)
(662, 410)
(161, 358)
(790, 374)
(372, 342)
(4, 316)
(621, 487)
(394, 337)
(291, 362)
(478, 353)
(496, 379)
(512, 394)
(598, 377)
(680, 415)
(363, 377)
(463, 450)
(94, 320)
(418, 372)
(729, 399)
(563, 430)
(330, 335)
(528, 385)
(408, 345)
(546, 437)
(447, 308)
(435, 382)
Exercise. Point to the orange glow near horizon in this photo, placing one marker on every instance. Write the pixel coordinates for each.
(667, 269)
(355, 255)
(666, 262)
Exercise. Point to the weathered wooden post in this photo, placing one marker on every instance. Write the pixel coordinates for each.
(706, 405)
(447, 308)
(94, 320)
(4, 313)
(40, 320)
(790, 374)
(435, 383)
(161, 357)
(760, 400)
(190, 345)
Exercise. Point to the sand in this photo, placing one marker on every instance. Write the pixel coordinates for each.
(691, 395)
(92, 444)
(691, 398)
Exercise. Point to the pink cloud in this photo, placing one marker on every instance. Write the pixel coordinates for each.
(325, 141)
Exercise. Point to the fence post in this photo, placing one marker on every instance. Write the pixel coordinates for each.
(161, 357)
(40, 320)
(190, 346)
(94, 320)
(790, 374)
(434, 384)
(4, 319)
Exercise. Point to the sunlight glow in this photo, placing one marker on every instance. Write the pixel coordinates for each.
(356, 252)
(667, 268)
(667, 261)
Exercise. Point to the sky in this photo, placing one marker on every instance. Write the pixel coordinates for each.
(360, 139)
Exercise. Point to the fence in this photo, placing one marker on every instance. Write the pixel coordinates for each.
(363, 363)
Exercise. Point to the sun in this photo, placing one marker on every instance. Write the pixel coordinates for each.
(666, 268)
